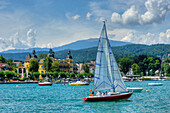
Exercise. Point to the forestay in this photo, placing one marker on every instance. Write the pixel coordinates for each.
(107, 74)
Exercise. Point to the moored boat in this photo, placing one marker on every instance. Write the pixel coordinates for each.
(135, 89)
(155, 84)
(79, 83)
(107, 75)
(45, 83)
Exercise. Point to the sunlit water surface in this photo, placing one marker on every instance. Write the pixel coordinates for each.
(66, 98)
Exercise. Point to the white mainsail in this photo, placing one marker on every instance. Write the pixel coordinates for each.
(107, 74)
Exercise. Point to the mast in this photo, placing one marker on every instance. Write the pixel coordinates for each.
(107, 74)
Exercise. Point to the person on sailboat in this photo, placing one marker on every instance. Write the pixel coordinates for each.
(92, 93)
(98, 93)
(105, 93)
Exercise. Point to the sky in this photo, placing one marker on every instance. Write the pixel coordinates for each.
(53, 23)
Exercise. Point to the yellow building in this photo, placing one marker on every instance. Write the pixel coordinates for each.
(41, 70)
(26, 61)
(19, 66)
(65, 65)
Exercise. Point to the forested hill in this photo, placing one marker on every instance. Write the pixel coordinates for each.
(85, 55)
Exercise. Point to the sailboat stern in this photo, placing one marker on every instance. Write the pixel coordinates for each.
(108, 98)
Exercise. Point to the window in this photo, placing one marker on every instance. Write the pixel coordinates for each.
(42, 71)
(42, 66)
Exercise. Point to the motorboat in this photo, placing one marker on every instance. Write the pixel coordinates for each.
(45, 83)
(155, 84)
(135, 89)
(79, 83)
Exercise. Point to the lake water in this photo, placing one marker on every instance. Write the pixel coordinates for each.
(65, 98)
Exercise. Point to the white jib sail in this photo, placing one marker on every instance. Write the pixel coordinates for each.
(107, 74)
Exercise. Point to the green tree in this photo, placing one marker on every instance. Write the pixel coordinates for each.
(55, 74)
(81, 75)
(9, 74)
(62, 75)
(49, 74)
(125, 64)
(47, 64)
(167, 60)
(2, 59)
(2, 74)
(36, 75)
(157, 64)
(86, 68)
(55, 66)
(11, 64)
(135, 69)
(91, 75)
(151, 66)
(167, 70)
(67, 74)
(141, 60)
(72, 75)
(41, 56)
(33, 67)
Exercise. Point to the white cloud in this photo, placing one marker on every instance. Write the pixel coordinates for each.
(15, 42)
(118, 34)
(31, 38)
(148, 38)
(100, 19)
(156, 11)
(88, 15)
(165, 37)
(76, 17)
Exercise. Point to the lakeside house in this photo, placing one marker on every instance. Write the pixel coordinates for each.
(19, 66)
(65, 65)
(4, 67)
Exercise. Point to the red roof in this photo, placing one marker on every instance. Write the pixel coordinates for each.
(1, 65)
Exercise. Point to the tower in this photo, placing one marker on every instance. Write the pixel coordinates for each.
(70, 60)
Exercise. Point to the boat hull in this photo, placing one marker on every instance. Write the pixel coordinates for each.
(135, 89)
(79, 83)
(155, 84)
(108, 98)
(45, 84)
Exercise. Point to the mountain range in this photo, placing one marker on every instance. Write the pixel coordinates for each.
(89, 54)
(81, 44)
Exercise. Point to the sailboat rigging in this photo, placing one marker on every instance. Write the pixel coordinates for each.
(107, 74)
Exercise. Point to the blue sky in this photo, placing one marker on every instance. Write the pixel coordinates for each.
(52, 23)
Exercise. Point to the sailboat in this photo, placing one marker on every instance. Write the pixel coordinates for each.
(46, 82)
(107, 75)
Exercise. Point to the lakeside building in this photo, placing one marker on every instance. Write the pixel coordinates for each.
(4, 67)
(65, 65)
(19, 66)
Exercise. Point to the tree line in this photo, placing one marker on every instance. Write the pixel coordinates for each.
(145, 65)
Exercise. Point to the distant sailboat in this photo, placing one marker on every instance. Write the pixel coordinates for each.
(107, 74)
